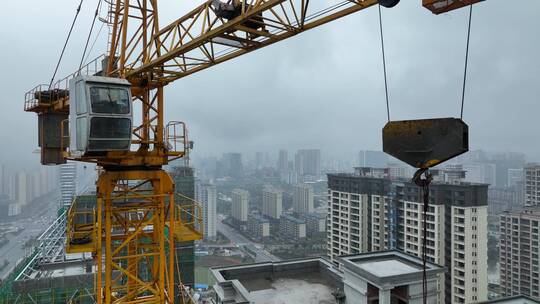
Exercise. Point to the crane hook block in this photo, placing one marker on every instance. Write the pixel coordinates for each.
(425, 143)
(388, 3)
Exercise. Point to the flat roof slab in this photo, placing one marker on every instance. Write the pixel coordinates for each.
(386, 268)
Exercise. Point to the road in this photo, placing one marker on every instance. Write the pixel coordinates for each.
(34, 226)
(240, 240)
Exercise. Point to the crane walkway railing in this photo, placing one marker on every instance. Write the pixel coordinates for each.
(81, 229)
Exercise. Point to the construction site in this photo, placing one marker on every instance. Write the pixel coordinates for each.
(131, 238)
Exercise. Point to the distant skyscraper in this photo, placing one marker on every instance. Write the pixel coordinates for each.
(484, 173)
(67, 177)
(518, 253)
(532, 184)
(4, 180)
(308, 162)
(207, 196)
(515, 177)
(505, 161)
(272, 202)
(283, 162)
(374, 159)
(231, 165)
(240, 205)
(259, 160)
(371, 213)
(303, 199)
(21, 188)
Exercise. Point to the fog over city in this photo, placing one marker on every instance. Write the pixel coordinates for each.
(281, 193)
(323, 89)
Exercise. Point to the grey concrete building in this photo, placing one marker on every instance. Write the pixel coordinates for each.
(532, 184)
(519, 253)
(370, 212)
(207, 196)
(292, 227)
(240, 205)
(272, 202)
(303, 199)
(258, 227)
(315, 223)
(307, 162)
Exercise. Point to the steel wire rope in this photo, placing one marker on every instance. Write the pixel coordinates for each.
(466, 61)
(384, 64)
(89, 35)
(65, 43)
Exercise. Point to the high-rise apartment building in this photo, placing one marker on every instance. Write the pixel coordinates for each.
(21, 189)
(307, 162)
(369, 213)
(259, 160)
(231, 165)
(207, 196)
(303, 199)
(4, 180)
(283, 162)
(240, 205)
(515, 177)
(272, 204)
(375, 159)
(67, 178)
(519, 252)
(532, 184)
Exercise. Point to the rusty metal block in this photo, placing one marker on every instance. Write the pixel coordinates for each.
(50, 138)
(443, 6)
(427, 142)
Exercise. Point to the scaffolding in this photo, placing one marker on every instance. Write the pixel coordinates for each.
(48, 274)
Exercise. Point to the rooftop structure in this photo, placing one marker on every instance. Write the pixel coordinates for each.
(316, 280)
(511, 300)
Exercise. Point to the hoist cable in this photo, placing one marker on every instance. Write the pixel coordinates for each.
(89, 35)
(65, 44)
(466, 61)
(384, 65)
(424, 184)
(94, 43)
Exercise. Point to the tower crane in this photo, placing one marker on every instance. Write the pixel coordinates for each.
(88, 116)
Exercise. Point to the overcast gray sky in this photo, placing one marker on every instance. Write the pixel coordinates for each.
(321, 89)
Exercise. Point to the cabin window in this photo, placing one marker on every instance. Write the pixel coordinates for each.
(110, 128)
(82, 131)
(81, 101)
(109, 100)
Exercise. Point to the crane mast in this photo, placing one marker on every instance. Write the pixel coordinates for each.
(138, 216)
